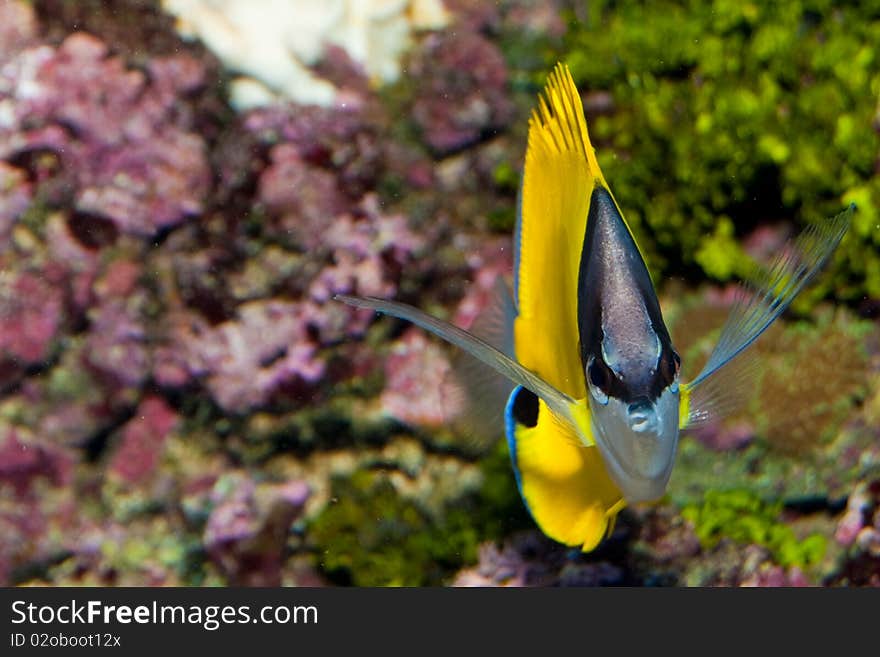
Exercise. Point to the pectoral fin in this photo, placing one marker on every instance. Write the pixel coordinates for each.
(759, 304)
(557, 401)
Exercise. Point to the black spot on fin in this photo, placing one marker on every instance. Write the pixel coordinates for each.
(525, 408)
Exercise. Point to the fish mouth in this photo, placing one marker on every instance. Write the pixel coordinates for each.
(642, 417)
(638, 442)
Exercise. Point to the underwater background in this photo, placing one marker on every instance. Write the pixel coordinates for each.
(184, 185)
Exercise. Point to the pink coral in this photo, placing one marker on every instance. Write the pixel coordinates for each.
(302, 195)
(81, 264)
(420, 386)
(15, 196)
(23, 462)
(18, 26)
(365, 250)
(322, 161)
(30, 316)
(462, 90)
(860, 524)
(117, 343)
(247, 530)
(490, 263)
(416, 374)
(126, 149)
(342, 140)
(28, 468)
(143, 439)
(246, 359)
(268, 344)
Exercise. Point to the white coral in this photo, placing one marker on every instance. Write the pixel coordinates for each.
(276, 41)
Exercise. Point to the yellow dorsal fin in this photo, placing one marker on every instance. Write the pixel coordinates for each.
(558, 126)
(560, 174)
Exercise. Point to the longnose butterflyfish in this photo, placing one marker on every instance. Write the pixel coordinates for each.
(596, 401)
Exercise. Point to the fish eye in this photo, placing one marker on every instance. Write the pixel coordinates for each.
(669, 366)
(599, 377)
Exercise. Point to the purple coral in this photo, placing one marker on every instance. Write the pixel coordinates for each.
(490, 263)
(529, 559)
(322, 162)
(15, 197)
(270, 343)
(420, 386)
(143, 439)
(301, 195)
(117, 339)
(247, 530)
(366, 250)
(417, 377)
(30, 315)
(25, 465)
(462, 92)
(23, 462)
(342, 140)
(860, 523)
(246, 359)
(127, 153)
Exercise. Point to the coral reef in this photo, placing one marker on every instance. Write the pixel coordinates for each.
(139, 453)
(247, 530)
(528, 559)
(415, 373)
(183, 403)
(266, 344)
(125, 153)
(858, 531)
(468, 68)
(120, 275)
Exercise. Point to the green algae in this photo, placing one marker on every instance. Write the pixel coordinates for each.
(733, 114)
(745, 518)
(371, 536)
(815, 375)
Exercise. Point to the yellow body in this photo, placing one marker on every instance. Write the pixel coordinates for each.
(563, 480)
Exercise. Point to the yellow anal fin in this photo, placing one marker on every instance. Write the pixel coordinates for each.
(564, 484)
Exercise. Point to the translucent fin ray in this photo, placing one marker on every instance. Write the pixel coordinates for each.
(767, 296)
(724, 393)
(479, 389)
(557, 401)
